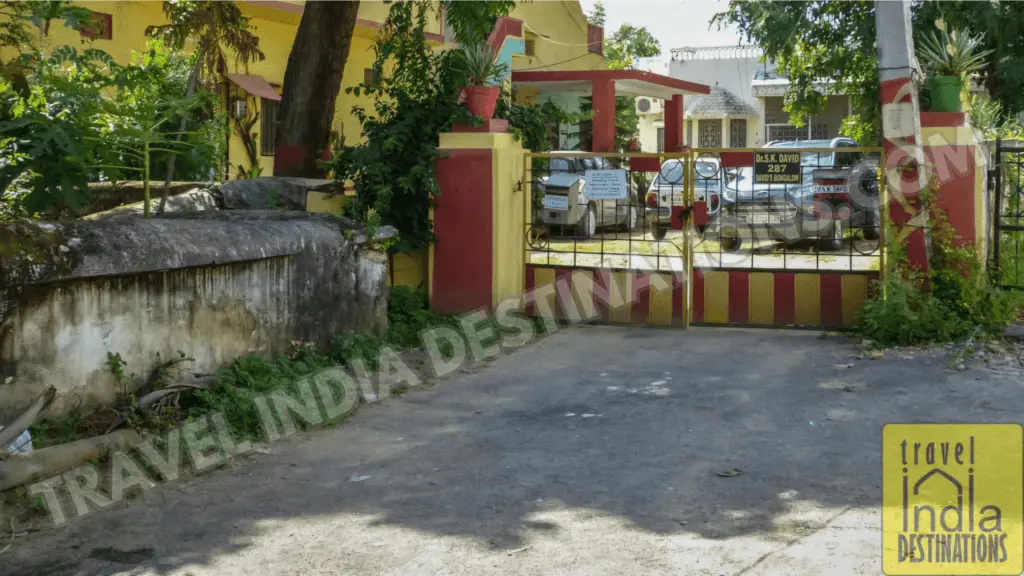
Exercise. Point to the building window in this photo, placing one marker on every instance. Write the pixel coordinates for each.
(268, 126)
(531, 44)
(661, 139)
(370, 77)
(738, 133)
(709, 133)
(100, 27)
(785, 132)
(777, 125)
(689, 133)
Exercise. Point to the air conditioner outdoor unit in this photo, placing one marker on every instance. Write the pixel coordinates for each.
(648, 105)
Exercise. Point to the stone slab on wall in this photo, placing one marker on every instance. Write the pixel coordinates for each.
(214, 285)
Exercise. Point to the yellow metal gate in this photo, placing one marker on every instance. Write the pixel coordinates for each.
(704, 236)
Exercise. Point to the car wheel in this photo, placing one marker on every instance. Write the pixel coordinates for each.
(835, 243)
(731, 243)
(587, 226)
(631, 218)
(872, 231)
(658, 232)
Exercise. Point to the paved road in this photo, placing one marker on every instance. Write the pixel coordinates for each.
(592, 452)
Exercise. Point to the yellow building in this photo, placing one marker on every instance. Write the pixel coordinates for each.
(537, 35)
(556, 36)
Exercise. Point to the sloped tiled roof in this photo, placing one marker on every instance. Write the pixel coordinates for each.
(719, 104)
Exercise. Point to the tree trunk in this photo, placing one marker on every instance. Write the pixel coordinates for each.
(312, 82)
(190, 89)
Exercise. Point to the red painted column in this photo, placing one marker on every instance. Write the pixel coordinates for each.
(901, 127)
(955, 170)
(905, 190)
(604, 115)
(463, 253)
(673, 116)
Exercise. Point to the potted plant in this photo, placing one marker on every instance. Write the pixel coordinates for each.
(482, 74)
(948, 56)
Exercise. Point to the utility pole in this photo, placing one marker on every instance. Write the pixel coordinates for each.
(901, 127)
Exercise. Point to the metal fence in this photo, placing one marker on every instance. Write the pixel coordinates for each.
(589, 210)
(1008, 238)
(774, 208)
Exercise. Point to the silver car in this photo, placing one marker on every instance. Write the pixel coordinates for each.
(668, 190)
(565, 202)
(793, 212)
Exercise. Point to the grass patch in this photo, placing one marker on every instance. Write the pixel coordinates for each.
(955, 300)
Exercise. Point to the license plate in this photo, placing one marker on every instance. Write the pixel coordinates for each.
(764, 219)
(556, 202)
(832, 189)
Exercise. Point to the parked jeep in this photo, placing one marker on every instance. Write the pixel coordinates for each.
(848, 199)
(565, 201)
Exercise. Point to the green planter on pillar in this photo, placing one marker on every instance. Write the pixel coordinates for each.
(945, 93)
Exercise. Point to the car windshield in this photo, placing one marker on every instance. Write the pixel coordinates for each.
(810, 159)
(672, 172)
(561, 165)
(741, 179)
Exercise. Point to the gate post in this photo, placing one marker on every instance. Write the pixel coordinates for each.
(901, 127)
(478, 257)
(956, 152)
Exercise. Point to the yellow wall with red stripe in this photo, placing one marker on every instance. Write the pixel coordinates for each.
(714, 297)
(612, 296)
(774, 298)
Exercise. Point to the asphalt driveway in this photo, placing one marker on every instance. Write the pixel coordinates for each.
(596, 451)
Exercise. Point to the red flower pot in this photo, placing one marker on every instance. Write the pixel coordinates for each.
(481, 100)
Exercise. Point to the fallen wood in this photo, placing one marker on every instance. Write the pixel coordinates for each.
(27, 418)
(22, 469)
(153, 397)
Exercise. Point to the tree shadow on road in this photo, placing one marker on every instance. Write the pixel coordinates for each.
(646, 430)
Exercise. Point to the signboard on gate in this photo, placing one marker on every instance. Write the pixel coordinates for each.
(777, 168)
(607, 184)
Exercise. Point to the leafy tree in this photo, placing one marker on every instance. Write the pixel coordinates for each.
(47, 98)
(626, 44)
(58, 131)
(312, 82)
(212, 27)
(829, 48)
(597, 15)
(532, 124)
(133, 124)
(415, 99)
(823, 48)
(473, 22)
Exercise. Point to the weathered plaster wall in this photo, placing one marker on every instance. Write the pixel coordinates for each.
(214, 285)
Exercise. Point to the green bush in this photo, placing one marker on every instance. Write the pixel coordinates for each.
(955, 300)
(236, 388)
(409, 315)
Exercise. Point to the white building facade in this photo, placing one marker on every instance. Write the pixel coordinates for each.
(745, 107)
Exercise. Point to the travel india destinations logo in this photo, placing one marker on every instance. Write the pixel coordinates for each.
(953, 499)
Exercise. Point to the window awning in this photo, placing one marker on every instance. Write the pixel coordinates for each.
(255, 85)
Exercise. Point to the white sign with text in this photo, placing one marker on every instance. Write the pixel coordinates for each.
(607, 184)
(552, 202)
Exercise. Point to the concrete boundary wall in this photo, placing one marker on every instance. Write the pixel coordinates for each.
(213, 285)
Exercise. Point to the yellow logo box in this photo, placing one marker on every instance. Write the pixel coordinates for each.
(952, 499)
